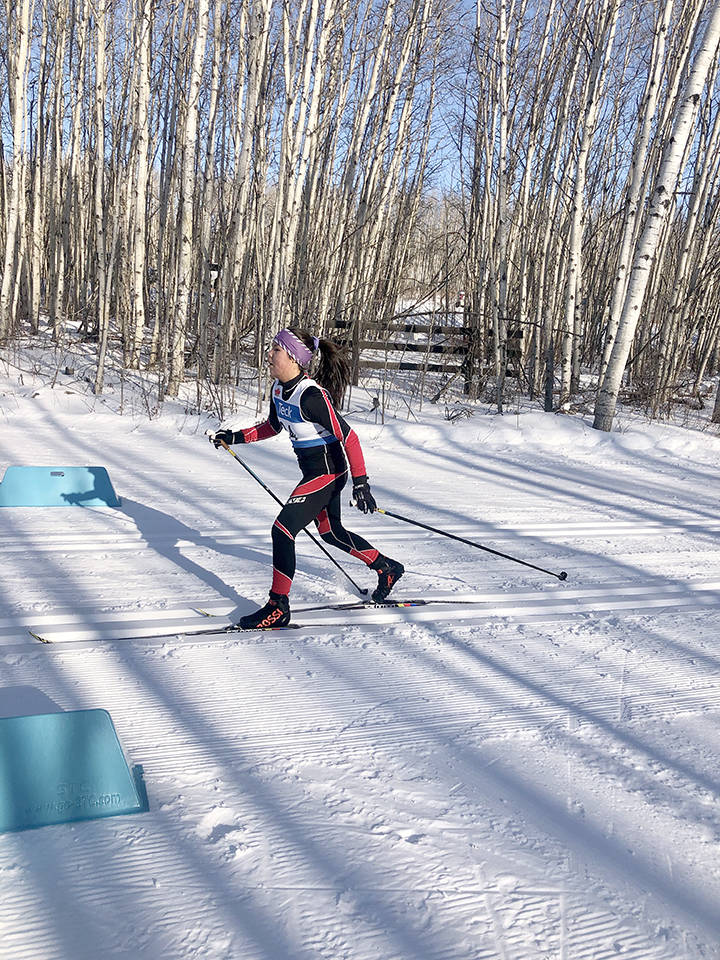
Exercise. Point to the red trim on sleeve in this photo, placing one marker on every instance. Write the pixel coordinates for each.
(336, 428)
(261, 431)
(355, 455)
(351, 442)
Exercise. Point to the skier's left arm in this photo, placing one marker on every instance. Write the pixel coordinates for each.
(317, 406)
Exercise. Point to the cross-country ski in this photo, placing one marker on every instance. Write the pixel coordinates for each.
(230, 628)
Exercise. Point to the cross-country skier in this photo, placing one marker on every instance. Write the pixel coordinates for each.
(322, 441)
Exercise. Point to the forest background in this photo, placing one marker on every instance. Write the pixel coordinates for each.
(178, 180)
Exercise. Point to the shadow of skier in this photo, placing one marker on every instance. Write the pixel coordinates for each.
(164, 534)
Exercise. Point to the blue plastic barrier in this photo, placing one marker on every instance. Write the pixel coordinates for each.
(61, 767)
(57, 487)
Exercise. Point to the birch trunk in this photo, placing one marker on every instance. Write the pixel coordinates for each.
(607, 19)
(17, 68)
(185, 219)
(72, 210)
(549, 266)
(501, 285)
(676, 338)
(56, 251)
(37, 225)
(138, 222)
(207, 212)
(102, 315)
(716, 409)
(662, 199)
(239, 258)
(636, 179)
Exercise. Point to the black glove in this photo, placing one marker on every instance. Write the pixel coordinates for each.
(225, 436)
(364, 500)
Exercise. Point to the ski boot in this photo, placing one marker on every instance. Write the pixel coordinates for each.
(389, 572)
(275, 613)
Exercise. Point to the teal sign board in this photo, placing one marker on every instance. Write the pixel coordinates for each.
(57, 487)
(60, 767)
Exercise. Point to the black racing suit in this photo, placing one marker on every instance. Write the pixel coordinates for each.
(322, 458)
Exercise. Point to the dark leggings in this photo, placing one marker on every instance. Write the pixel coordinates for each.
(318, 499)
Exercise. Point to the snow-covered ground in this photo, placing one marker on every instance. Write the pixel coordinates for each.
(532, 775)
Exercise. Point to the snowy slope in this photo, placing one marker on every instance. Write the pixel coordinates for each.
(535, 779)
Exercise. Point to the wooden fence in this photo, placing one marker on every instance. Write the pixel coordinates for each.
(427, 345)
(401, 351)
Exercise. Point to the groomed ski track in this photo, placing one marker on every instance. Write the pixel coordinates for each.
(511, 606)
(526, 773)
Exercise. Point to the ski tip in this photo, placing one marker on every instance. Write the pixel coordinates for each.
(38, 637)
(203, 613)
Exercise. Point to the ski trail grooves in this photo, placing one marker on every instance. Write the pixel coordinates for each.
(110, 540)
(355, 708)
(521, 606)
(528, 772)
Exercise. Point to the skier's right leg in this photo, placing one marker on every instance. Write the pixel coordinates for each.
(306, 500)
(331, 529)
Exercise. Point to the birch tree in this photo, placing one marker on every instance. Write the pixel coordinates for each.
(637, 176)
(660, 206)
(19, 45)
(101, 278)
(36, 222)
(185, 216)
(139, 188)
(295, 145)
(606, 19)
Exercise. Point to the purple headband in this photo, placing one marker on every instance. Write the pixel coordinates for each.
(293, 346)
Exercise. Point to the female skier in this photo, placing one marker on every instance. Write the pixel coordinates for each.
(319, 436)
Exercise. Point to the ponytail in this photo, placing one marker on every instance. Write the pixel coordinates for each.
(334, 370)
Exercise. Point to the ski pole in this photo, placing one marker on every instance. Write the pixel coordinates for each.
(561, 576)
(267, 489)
